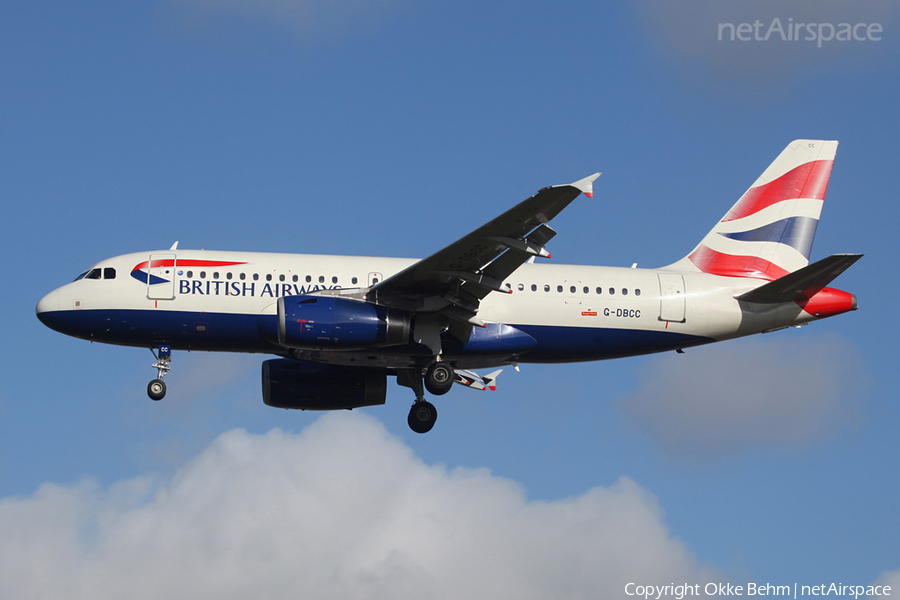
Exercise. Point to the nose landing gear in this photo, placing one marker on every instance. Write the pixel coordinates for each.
(156, 389)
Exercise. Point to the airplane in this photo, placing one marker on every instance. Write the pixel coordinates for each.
(341, 325)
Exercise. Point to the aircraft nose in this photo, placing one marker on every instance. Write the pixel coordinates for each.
(48, 303)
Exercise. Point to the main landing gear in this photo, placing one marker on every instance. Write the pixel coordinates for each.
(156, 389)
(438, 379)
(422, 416)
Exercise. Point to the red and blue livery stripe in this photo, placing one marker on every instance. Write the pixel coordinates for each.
(777, 241)
(141, 271)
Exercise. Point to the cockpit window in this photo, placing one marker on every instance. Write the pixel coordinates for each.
(106, 273)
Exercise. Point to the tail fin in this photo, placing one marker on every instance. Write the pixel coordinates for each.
(769, 232)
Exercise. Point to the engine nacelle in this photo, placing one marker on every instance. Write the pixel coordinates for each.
(309, 386)
(330, 322)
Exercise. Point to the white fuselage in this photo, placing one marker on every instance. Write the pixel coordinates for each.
(211, 300)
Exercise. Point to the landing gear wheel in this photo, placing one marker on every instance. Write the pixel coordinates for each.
(439, 378)
(422, 416)
(156, 389)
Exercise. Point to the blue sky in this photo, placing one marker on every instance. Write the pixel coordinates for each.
(392, 128)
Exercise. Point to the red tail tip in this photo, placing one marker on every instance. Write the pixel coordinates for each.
(829, 302)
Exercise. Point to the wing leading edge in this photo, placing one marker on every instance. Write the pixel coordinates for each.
(445, 289)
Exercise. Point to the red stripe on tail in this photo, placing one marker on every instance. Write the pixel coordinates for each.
(809, 180)
(728, 265)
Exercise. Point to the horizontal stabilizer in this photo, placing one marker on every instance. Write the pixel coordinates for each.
(479, 382)
(805, 282)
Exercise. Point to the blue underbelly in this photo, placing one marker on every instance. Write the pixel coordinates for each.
(224, 332)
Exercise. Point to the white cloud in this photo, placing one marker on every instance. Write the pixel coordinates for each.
(199, 384)
(892, 579)
(341, 510)
(747, 394)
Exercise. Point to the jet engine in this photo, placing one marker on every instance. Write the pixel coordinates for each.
(303, 385)
(330, 322)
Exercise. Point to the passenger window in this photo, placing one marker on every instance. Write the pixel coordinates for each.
(268, 277)
(93, 274)
(334, 280)
(546, 288)
(308, 279)
(216, 275)
(533, 287)
(637, 292)
(281, 277)
(256, 277)
(243, 276)
(190, 274)
(612, 291)
(624, 291)
(321, 279)
(559, 289)
(228, 275)
(599, 290)
(572, 290)
(202, 274)
(521, 287)
(294, 278)
(587, 290)
(354, 281)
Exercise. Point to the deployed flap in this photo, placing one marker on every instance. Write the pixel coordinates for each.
(506, 264)
(454, 279)
(805, 282)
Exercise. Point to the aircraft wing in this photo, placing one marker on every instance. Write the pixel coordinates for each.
(446, 288)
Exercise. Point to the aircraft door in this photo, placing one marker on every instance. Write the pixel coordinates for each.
(671, 297)
(161, 277)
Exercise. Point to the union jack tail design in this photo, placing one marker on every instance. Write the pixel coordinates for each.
(769, 232)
